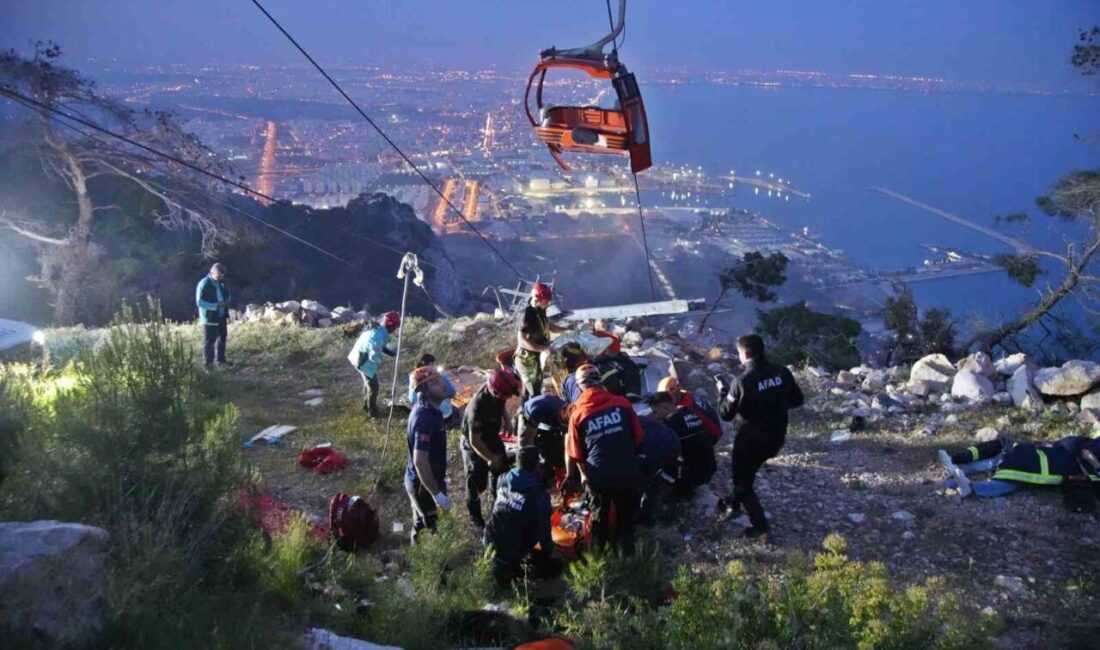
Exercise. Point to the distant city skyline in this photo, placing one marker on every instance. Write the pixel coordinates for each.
(1002, 41)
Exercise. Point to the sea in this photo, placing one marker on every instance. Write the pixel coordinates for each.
(975, 155)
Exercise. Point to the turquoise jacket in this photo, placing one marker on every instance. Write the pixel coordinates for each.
(208, 294)
(369, 347)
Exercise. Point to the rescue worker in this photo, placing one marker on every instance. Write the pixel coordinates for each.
(761, 395)
(520, 520)
(366, 356)
(212, 298)
(1071, 460)
(660, 463)
(697, 464)
(602, 445)
(426, 469)
(546, 418)
(445, 406)
(484, 459)
(533, 338)
(573, 357)
(694, 403)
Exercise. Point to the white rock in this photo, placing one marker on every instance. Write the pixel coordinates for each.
(908, 535)
(987, 434)
(1091, 400)
(1073, 378)
(316, 307)
(839, 436)
(1002, 398)
(1007, 366)
(321, 639)
(52, 580)
(874, 381)
(845, 378)
(312, 392)
(902, 515)
(951, 419)
(923, 388)
(856, 517)
(483, 317)
(314, 402)
(978, 363)
(288, 306)
(934, 367)
(819, 372)
(971, 385)
(1015, 586)
(632, 339)
(860, 371)
(1020, 387)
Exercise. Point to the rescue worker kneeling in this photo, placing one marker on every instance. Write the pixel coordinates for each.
(660, 464)
(696, 443)
(519, 526)
(602, 445)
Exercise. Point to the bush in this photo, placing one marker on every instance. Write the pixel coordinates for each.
(125, 437)
(836, 603)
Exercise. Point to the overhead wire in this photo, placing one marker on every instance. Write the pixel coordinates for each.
(55, 114)
(385, 137)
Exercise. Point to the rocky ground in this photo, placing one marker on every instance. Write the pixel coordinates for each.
(1025, 556)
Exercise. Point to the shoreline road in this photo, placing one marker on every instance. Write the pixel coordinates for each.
(1021, 247)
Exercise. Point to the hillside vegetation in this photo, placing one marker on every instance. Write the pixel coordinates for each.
(124, 431)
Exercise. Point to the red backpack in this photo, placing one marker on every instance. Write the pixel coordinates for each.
(354, 523)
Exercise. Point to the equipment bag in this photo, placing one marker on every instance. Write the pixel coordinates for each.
(620, 374)
(354, 523)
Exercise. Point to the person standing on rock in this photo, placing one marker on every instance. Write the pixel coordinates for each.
(602, 445)
(366, 356)
(761, 395)
(533, 338)
(212, 298)
(483, 453)
(426, 468)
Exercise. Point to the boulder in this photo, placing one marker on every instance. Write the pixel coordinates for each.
(923, 388)
(1021, 389)
(324, 322)
(874, 381)
(978, 363)
(987, 434)
(1090, 417)
(253, 311)
(972, 386)
(288, 306)
(933, 368)
(321, 639)
(632, 339)
(52, 578)
(1073, 378)
(1091, 400)
(884, 402)
(845, 378)
(860, 371)
(316, 307)
(1008, 365)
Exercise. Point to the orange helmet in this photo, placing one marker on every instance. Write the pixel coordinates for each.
(542, 292)
(423, 375)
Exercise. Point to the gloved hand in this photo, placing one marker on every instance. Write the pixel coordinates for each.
(443, 502)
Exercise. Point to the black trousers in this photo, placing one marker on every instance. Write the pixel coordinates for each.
(370, 395)
(213, 347)
(980, 451)
(625, 501)
(656, 485)
(478, 478)
(749, 455)
(423, 507)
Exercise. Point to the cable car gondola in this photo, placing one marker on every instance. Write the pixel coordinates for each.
(592, 129)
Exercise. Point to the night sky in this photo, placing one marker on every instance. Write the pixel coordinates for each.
(1024, 41)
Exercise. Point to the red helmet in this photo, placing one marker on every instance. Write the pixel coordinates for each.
(588, 375)
(391, 319)
(504, 384)
(542, 292)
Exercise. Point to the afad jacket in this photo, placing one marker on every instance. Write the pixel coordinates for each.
(208, 294)
(606, 434)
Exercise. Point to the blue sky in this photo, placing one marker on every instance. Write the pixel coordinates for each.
(995, 40)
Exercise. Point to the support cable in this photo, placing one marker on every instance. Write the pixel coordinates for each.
(385, 137)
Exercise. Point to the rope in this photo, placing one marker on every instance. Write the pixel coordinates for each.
(385, 137)
(645, 242)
